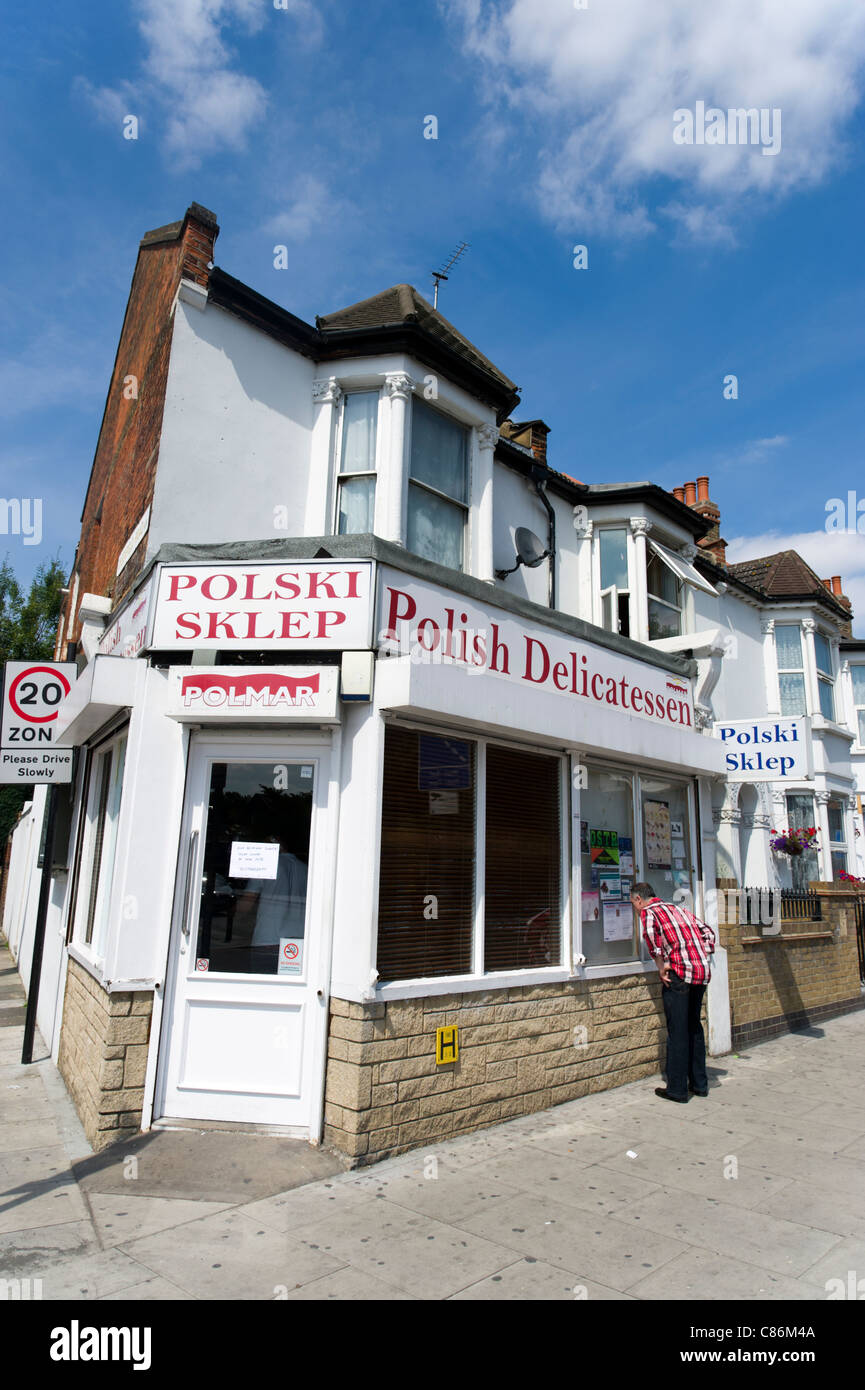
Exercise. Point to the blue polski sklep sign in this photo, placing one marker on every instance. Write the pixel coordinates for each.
(766, 750)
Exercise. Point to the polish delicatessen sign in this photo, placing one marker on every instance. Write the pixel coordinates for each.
(253, 693)
(309, 604)
(439, 627)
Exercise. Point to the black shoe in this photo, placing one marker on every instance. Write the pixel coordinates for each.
(665, 1095)
(695, 1092)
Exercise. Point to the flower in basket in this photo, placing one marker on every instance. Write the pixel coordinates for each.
(794, 841)
(851, 878)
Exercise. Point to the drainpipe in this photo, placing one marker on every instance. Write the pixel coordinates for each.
(537, 475)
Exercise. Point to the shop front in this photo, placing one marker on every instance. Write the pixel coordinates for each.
(296, 864)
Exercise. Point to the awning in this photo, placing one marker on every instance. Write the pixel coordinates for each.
(681, 568)
(107, 685)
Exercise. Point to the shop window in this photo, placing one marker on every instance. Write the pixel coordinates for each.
(609, 928)
(438, 486)
(857, 674)
(825, 678)
(523, 870)
(791, 668)
(800, 815)
(615, 588)
(427, 872)
(665, 600)
(356, 476)
(94, 879)
(667, 839)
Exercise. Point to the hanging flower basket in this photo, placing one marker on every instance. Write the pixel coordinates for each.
(794, 842)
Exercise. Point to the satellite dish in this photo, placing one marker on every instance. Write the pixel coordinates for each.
(530, 550)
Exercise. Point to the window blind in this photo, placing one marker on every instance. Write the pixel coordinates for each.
(523, 887)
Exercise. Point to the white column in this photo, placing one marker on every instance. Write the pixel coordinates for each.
(584, 529)
(390, 509)
(810, 659)
(640, 528)
(326, 395)
(483, 498)
(770, 666)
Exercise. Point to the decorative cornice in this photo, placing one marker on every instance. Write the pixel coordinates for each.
(639, 525)
(823, 798)
(488, 436)
(808, 625)
(326, 391)
(688, 551)
(767, 626)
(398, 385)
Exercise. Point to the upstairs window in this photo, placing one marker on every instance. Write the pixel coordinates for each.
(791, 669)
(615, 588)
(857, 674)
(665, 600)
(438, 487)
(825, 678)
(356, 476)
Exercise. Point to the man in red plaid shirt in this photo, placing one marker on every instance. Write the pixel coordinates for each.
(681, 945)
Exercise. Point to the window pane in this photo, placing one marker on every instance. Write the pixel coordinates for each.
(822, 653)
(606, 805)
(435, 528)
(101, 783)
(426, 878)
(839, 863)
(663, 621)
(438, 451)
(614, 559)
(788, 645)
(522, 895)
(667, 839)
(662, 582)
(792, 694)
(858, 675)
(862, 727)
(827, 699)
(356, 506)
(244, 922)
(800, 816)
(359, 417)
(836, 822)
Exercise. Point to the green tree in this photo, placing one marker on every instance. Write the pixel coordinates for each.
(28, 625)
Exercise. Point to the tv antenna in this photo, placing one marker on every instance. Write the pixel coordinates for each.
(439, 275)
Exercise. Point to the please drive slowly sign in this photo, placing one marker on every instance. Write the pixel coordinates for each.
(766, 750)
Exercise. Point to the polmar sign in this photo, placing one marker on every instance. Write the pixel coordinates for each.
(290, 605)
(255, 694)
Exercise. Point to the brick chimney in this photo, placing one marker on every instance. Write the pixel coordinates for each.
(696, 495)
(530, 433)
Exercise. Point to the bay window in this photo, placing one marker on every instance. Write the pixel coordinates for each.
(665, 600)
(355, 506)
(438, 486)
(857, 675)
(791, 668)
(615, 586)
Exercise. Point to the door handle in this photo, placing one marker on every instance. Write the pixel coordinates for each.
(187, 892)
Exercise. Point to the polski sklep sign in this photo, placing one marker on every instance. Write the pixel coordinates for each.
(766, 750)
(291, 605)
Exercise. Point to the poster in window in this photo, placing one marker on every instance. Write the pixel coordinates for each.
(609, 884)
(604, 848)
(618, 921)
(444, 764)
(591, 907)
(584, 837)
(626, 854)
(656, 823)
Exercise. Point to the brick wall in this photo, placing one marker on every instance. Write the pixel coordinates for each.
(127, 451)
(808, 972)
(103, 1056)
(518, 1053)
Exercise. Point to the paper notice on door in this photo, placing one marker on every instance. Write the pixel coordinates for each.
(250, 859)
(290, 955)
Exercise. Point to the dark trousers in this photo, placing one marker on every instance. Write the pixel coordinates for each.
(686, 1046)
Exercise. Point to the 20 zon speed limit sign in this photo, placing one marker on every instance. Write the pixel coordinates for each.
(33, 693)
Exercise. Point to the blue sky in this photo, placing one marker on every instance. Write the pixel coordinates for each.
(304, 125)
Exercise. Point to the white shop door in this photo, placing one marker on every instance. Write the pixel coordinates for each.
(244, 1024)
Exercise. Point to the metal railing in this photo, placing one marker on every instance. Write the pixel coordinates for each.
(860, 934)
(765, 906)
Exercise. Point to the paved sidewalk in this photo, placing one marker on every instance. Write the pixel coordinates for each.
(757, 1192)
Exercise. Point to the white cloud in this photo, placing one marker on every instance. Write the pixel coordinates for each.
(310, 203)
(827, 552)
(756, 450)
(188, 74)
(602, 84)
